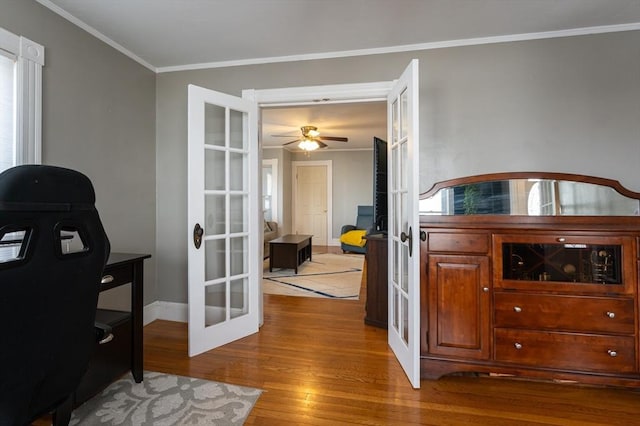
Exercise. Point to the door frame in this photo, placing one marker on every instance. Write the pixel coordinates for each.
(328, 182)
(317, 95)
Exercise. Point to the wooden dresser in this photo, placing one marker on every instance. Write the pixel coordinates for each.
(551, 295)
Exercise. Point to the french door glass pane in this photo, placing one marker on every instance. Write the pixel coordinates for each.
(404, 281)
(215, 299)
(239, 213)
(404, 162)
(405, 319)
(404, 122)
(215, 267)
(237, 171)
(236, 124)
(396, 262)
(214, 176)
(394, 122)
(214, 128)
(215, 214)
(239, 297)
(396, 299)
(239, 264)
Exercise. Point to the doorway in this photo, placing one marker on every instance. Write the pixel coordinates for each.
(352, 158)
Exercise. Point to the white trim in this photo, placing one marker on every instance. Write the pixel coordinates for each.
(325, 94)
(168, 311)
(97, 34)
(407, 47)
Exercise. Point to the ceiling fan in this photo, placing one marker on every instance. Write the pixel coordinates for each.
(311, 139)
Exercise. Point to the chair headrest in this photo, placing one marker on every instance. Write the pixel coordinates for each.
(45, 188)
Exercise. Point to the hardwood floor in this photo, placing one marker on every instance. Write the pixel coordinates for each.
(319, 364)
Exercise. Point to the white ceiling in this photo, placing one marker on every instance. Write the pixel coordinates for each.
(183, 33)
(359, 122)
(170, 35)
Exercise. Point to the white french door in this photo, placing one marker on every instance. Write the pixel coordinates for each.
(223, 246)
(404, 227)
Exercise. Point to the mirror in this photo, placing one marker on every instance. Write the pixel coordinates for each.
(539, 195)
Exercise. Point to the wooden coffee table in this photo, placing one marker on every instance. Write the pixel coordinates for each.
(289, 251)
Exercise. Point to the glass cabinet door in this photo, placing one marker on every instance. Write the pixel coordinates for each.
(573, 263)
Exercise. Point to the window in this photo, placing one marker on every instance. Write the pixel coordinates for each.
(270, 190)
(21, 62)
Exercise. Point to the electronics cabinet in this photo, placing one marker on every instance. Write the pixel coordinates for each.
(548, 294)
(376, 258)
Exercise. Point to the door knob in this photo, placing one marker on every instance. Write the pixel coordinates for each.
(404, 237)
(197, 235)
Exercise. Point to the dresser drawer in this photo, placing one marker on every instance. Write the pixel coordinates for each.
(567, 351)
(468, 242)
(564, 313)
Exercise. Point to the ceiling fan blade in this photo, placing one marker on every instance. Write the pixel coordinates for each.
(322, 145)
(334, 138)
(288, 143)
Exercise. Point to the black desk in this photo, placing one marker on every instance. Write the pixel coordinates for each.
(109, 360)
(124, 268)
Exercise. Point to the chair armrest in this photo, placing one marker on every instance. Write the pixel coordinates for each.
(104, 332)
(347, 228)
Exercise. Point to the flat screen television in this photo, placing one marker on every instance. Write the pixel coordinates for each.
(380, 185)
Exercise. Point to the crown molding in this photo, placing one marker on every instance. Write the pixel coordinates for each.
(409, 47)
(345, 53)
(97, 34)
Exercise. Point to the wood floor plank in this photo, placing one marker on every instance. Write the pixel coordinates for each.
(319, 364)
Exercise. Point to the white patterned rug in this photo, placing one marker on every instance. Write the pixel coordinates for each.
(328, 275)
(164, 399)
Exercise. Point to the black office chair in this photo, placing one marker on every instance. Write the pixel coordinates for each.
(53, 250)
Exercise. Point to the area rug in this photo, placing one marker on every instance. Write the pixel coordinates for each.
(163, 399)
(328, 275)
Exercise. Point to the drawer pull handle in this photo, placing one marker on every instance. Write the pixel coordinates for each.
(612, 353)
(106, 279)
(561, 239)
(611, 314)
(518, 345)
(485, 289)
(517, 309)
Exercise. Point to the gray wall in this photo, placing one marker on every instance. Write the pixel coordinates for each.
(98, 117)
(567, 105)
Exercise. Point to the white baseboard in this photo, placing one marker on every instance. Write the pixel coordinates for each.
(169, 311)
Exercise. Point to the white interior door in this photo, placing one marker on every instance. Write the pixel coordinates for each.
(404, 229)
(311, 201)
(223, 215)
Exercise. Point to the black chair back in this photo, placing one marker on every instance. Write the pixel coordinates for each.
(53, 250)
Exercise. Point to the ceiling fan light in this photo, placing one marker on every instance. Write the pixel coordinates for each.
(313, 133)
(308, 145)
